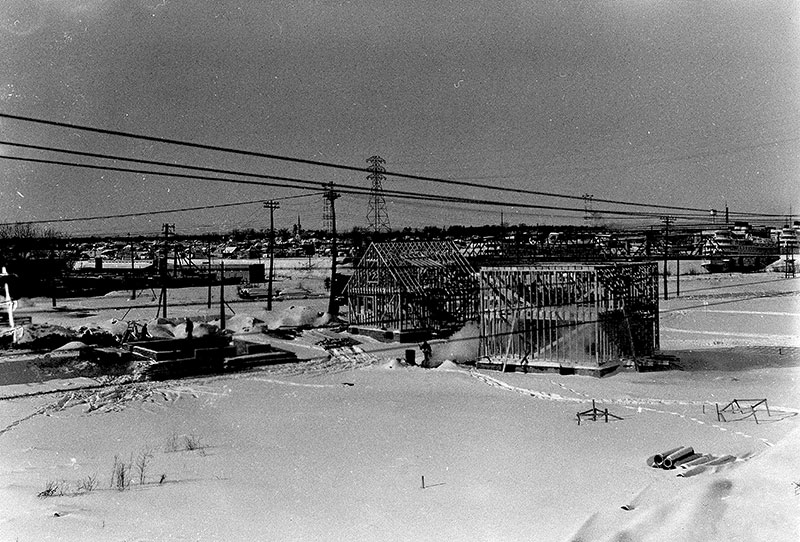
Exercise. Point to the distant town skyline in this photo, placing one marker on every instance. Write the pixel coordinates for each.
(673, 102)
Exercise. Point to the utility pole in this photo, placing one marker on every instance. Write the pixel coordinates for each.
(133, 269)
(162, 264)
(9, 303)
(331, 196)
(175, 260)
(222, 294)
(210, 275)
(271, 205)
(666, 220)
(53, 276)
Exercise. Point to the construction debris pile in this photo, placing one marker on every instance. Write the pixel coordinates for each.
(51, 336)
(177, 358)
(156, 349)
(109, 399)
(330, 343)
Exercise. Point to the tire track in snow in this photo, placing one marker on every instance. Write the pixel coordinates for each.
(340, 360)
(288, 383)
(12, 425)
(106, 398)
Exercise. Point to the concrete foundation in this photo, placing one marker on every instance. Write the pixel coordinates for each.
(582, 370)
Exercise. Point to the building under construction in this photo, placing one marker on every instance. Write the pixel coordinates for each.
(571, 318)
(405, 291)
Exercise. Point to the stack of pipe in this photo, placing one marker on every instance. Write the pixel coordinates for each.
(674, 457)
(658, 459)
(686, 458)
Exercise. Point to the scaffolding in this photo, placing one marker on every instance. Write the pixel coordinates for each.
(569, 317)
(411, 288)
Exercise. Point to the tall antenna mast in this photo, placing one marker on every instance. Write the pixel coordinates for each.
(377, 217)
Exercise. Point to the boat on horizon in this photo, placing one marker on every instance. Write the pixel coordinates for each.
(729, 251)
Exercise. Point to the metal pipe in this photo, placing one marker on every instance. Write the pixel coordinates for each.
(670, 461)
(688, 459)
(721, 460)
(703, 459)
(658, 459)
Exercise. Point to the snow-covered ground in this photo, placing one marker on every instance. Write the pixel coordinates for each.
(325, 451)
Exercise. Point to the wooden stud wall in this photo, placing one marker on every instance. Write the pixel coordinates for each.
(569, 314)
(412, 286)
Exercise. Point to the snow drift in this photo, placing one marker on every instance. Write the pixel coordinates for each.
(753, 500)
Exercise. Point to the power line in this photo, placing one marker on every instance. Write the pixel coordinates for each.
(696, 221)
(255, 175)
(305, 182)
(350, 190)
(149, 213)
(129, 215)
(319, 163)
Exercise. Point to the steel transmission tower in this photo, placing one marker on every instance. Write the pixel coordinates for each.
(591, 216)
(327, 207)
(377, 217)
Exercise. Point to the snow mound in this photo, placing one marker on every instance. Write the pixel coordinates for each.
(448, 365)
(161, 328)
(44, 336)
(72, 345)
(754, 501)
(299, 316)
(395, 364)
(242, 323)
(113, 326)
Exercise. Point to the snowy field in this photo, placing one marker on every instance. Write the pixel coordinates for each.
(337, 450)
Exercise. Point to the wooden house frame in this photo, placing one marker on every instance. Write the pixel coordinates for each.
(411, 288)
(568, 316)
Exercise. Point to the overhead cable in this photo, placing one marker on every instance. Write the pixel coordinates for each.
(319, 163)
(349, 190)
